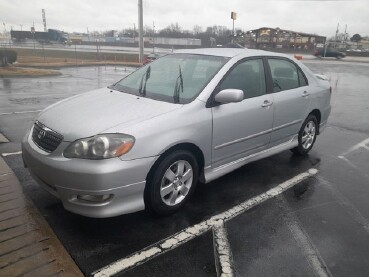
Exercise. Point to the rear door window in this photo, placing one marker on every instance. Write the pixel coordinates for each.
(284, 74)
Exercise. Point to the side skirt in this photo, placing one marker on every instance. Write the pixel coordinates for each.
(214, 173)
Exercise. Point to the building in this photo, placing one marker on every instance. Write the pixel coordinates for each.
(363, 45)
(266, 37)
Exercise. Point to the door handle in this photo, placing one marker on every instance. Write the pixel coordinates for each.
(267, 103)
(305, 94)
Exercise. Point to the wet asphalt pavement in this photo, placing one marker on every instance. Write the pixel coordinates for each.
(320, 227)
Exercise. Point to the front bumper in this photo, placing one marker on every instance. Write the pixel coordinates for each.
(123, 182)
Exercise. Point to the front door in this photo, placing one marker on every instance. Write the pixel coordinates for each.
(243, 128)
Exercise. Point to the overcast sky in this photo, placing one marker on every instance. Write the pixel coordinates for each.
(318, 16)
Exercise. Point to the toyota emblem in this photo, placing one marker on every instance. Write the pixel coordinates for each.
(41, 134)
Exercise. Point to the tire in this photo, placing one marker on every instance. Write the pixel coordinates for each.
(307, 136)
(172, 183)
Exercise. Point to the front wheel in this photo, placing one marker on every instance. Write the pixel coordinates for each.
(306, 136)
(172, 183)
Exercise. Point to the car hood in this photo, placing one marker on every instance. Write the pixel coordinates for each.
(93, 112)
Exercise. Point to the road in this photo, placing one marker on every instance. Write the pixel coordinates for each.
(319, 227)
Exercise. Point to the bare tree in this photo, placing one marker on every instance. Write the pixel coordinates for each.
(197, 29)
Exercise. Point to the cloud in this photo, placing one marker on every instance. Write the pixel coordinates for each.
(319, 17)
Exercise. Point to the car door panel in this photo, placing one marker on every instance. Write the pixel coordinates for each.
(243, 128)
(291, 99)
(289, 113)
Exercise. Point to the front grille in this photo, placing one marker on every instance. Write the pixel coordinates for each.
(46, 138)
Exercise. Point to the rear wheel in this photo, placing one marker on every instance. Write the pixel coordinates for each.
(172, 182)
(307, 136)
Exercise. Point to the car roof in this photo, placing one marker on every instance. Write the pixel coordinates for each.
(228, 52)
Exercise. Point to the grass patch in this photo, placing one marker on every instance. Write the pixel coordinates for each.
(12, 71)
(58, 58)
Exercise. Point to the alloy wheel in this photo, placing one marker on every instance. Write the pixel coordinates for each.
(176, 182)
(308, 135)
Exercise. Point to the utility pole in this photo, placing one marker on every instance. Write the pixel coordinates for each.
(153, 36)
(140, 31)
(33, 35)
(338, 25)
(44, 19)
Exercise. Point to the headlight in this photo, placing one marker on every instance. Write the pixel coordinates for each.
(100, 147)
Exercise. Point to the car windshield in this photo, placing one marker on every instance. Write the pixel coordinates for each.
(176, 78)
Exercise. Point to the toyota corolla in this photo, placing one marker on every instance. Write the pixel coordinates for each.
(188, 117)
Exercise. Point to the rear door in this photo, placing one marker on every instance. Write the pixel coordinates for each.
(291, 99)
(243, 128)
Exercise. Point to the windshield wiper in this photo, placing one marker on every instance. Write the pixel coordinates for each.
(146, 76)
(178, 86)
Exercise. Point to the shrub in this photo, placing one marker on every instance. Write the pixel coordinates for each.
(7, 56)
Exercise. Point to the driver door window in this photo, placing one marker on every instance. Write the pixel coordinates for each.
(247, 76)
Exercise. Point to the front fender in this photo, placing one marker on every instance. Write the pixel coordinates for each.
(191, 124)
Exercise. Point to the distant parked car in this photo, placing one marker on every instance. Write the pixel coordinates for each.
(196, 115)
(151, 57)
(329, 52)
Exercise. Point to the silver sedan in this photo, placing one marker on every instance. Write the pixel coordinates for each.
(188, 117)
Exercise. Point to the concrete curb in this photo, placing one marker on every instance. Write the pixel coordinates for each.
(28, 246)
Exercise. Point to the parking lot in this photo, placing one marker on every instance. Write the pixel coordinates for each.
(285, 215)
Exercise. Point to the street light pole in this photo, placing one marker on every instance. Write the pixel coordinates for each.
(233, 28)
(140, 31)
(233, 17)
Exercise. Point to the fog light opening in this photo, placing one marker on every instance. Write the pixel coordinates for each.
(95, 198)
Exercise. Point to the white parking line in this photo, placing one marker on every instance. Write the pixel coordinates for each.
(11, 154)
(362, 144)
(196, 230)
(354, 166)
(36, 111)
(350, 208)
(223, 254)
(311, 253)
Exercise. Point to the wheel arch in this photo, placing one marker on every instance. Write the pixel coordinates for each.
(193, 148)
(318, 116)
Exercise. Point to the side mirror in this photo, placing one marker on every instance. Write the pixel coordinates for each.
(229, 96)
